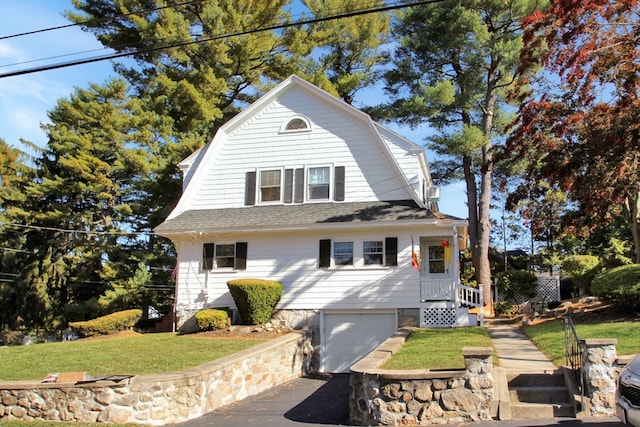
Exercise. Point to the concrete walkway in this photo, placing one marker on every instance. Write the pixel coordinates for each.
(516, 352)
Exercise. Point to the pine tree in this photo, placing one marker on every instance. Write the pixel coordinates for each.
(454, 61)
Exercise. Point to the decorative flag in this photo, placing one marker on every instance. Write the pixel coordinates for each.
(415, 263)
(447, 251)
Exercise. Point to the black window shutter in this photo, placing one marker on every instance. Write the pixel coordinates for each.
(241, 256)
(299, 188)
(391, 251)
(339, 187)
(288, 185)
(325, 253)
(250, 189)
(207, 256)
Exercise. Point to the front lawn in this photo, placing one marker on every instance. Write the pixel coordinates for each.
(134, 355)
(438, 348)
(549, 336)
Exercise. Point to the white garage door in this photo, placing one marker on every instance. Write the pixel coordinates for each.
(350, 336)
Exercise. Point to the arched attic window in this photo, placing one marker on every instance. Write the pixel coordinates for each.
(296, 124)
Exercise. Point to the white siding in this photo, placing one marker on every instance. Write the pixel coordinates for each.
(336, 138)
(293, 260)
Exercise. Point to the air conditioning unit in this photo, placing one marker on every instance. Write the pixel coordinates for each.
(433, 194)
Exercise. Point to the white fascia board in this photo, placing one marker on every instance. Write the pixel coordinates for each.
(446, 223)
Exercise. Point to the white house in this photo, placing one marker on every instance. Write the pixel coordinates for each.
(307, 190)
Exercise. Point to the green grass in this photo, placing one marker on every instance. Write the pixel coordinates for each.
(139, 355)
(438, 348)
(549, 336)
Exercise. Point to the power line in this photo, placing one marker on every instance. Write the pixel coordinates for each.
(112, 233)
(214, 38)
(95, 21)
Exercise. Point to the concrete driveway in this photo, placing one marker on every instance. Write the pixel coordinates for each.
(323, 400)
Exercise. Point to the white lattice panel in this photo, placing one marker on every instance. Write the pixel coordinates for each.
(436, 315)
(548, 289)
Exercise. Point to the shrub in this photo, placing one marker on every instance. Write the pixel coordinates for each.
(582, 268)
(256, 299)
(516, 282)
(211, 319)
(114, 322)
(620, 286)
(502, 308)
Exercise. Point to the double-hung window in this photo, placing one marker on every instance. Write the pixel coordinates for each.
(373, 252)
(343, 253)
(319, 181)
(382, 253)
(224, 256)
(270, 185)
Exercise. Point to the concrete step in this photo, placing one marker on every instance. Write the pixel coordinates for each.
(526, 379)
(541, 410)
(546, 394)
(539, 395)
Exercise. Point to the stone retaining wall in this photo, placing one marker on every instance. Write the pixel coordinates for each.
(420, 397)
(599, 364)
(163, 398)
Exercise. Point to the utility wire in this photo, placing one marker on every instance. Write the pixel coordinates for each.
(95, 21)
(214, 38)
(114, 233)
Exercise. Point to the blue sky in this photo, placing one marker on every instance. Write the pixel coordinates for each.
(25, 100)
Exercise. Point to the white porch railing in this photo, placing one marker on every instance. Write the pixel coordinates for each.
(471, 297)
(437, 290)
(445, 303)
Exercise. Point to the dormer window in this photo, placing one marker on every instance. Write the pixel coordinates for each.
(296, 124)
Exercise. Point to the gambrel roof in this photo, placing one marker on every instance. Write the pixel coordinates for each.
(387, 149)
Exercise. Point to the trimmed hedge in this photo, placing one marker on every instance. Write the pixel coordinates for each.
(620, 286)
(514, 282)
(211, 319)
(114, 322)
(256, 299)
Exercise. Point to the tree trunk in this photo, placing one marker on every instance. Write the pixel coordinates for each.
(483, 268)
(634, 223)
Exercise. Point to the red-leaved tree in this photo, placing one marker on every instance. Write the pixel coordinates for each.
(578, 126)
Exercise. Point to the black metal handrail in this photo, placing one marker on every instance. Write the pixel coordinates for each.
(573, 352)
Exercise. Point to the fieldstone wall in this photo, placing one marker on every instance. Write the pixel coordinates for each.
(164, 398)
(599, 363)
(420, 397)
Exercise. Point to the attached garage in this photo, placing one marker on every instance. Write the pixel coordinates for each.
(350, 335)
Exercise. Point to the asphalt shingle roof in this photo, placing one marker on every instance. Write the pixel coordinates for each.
(282, 216)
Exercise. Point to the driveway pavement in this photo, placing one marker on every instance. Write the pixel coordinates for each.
(320, 400)
(323, 401)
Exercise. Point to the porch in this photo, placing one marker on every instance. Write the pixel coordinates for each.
(444, 303)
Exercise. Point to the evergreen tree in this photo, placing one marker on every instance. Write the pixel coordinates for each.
(351, 56)
(14, 176)
(451, 69)
(78, 207)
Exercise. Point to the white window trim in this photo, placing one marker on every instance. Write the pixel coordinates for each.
(259, 186)
(332, 178)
